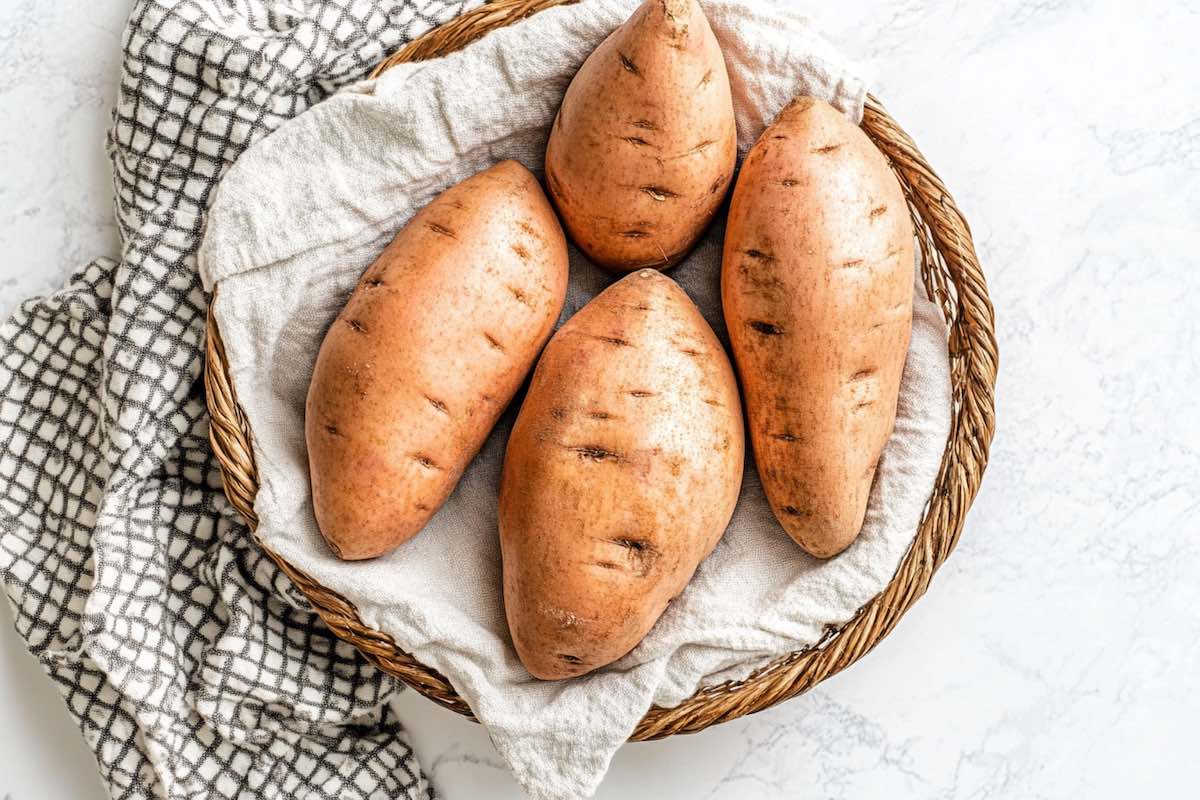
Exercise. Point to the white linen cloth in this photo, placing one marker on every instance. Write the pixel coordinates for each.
(299, 218)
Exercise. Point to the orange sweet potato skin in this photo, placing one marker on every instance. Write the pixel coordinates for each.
(434, 342)
(643, 148)
(817, 283)
(621, 474)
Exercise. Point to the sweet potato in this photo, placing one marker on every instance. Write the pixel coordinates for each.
(621, 474)
(437, 337)
(817, 286)
(643, 148)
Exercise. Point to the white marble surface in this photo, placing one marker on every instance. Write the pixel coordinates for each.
(1057, 655)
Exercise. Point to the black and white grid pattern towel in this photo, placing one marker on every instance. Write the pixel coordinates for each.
(193, 667)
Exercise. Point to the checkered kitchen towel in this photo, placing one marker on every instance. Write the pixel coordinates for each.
(193, 667)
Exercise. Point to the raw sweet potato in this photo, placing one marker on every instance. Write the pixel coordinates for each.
(621, 474)
(644, 145)
(817, 286)
(437, 337)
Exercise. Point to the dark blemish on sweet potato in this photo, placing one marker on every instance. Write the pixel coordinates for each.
(595, 452)
(456, 204)
(853, 263)
(558, 412)
(635, 234)
(332, 430)
(785, 437)
(708, 76)
(608, 565)
(658, 193)
(827, 149)
(878, 211)
(600, 415)
(421, 507)
(645, 125)
(613, 340)
(372, 283)
(863, 374)
(525, 226)
(792, 511)
(717, 184)
(570, 659)
(690, 351)
(425, 461)
(521, 251)
(789, 182)
(641, 393)
(520, 296)
(355, 325)
(438, 404)
(759, 255)
(712, 401)
(440, 229)
(642, 554)
(628, 64)
(636, 141)
(493, 342)
(765, 328)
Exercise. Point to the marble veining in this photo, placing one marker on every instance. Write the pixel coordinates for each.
(1056, 654)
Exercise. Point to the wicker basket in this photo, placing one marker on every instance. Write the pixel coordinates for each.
(951, 273)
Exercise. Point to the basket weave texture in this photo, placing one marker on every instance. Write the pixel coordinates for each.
(952, 275)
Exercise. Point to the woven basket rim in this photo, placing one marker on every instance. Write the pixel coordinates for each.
(951, 273)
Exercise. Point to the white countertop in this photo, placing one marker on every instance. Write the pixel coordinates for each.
(1057, 655)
